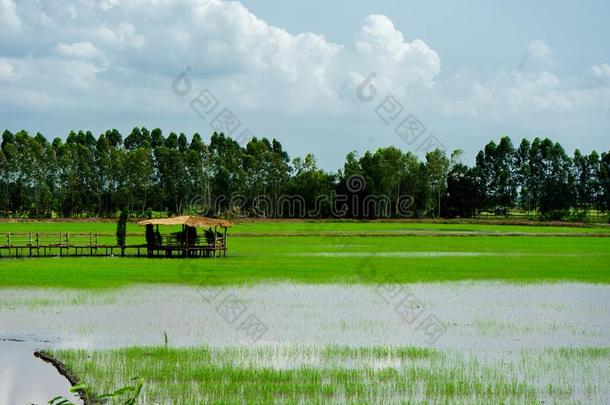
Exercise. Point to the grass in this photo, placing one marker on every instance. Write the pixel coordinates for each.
(316, 259)
(345, 252)
(307, 227)
(294, 374)
(80, 230)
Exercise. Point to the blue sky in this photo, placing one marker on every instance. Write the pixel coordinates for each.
(291, 70)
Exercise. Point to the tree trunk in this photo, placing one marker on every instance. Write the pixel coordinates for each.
(439, 205)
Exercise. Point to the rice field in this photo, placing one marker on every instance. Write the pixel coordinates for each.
(332, 259)
(316, 227)
(335, 312)
(337, 374)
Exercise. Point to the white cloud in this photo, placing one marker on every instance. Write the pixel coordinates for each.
(108, 4)
(254, 64)
(386, 51)
(538, 56)
(123, 51)
(124, 35)
(602, 72)
(79, 50)
(9, 19)
(6, 71)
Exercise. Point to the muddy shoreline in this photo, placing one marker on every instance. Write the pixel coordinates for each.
(85, 395)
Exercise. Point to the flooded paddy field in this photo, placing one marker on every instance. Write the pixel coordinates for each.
(329, 316)
(486, 316)
(525, 343)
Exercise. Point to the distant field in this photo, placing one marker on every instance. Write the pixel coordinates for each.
(326, 259)
(309, 227)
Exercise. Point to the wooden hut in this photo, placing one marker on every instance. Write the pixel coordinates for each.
(187, 242)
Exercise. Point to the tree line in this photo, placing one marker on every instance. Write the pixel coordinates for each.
(148, 172)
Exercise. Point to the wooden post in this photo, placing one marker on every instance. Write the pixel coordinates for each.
(30, 244)
(9, 244)
(215, 233)
(225, 243)
(186, 240)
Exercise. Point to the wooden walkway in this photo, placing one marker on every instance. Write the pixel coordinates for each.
(65, 244)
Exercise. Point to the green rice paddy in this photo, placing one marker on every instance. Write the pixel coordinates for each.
(339, 252)
(308, 227)
(315, 259)
(346, 375)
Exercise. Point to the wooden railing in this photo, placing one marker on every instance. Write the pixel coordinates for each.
(36, 244)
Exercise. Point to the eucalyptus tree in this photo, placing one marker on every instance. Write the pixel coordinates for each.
(604, 182)
(313, 185)
(228, 173)
(4, 195)
(104, 173)
(586, 176)
(464, 192)
(522, 174)
(436, 167)
(497, 166)
(173, 178)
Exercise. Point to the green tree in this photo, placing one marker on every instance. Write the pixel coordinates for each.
(313, 185)
(586, 175)
(173, 178)
(121, 230)
(464, 193)
(437, 168)
(604, 182)
(139, 178)
(496, 165)
(4, 195)
(522, 174)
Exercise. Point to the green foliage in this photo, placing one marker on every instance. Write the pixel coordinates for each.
(464, 193)
(148, 172)
(121, 228)
(125, 396)
(151, 239)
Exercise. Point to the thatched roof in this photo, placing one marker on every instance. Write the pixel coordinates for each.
(189, 220)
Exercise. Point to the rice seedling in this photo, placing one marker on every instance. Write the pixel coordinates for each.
(514, 259)
(301, 374)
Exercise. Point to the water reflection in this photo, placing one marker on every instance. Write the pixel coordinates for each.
(25, 379)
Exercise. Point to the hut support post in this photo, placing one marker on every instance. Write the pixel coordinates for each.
(215, 234)
(224, 243)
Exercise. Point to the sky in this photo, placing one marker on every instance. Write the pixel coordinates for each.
(321, 77)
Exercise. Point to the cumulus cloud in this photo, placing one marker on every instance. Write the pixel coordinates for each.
(121, 51)
(532, 87)
(538, 56)
(9, 19)
(385, 46)
(122, 36)
(79, 50)
(256, 64)
(6, 70)
(601, 72)
(108, 4)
